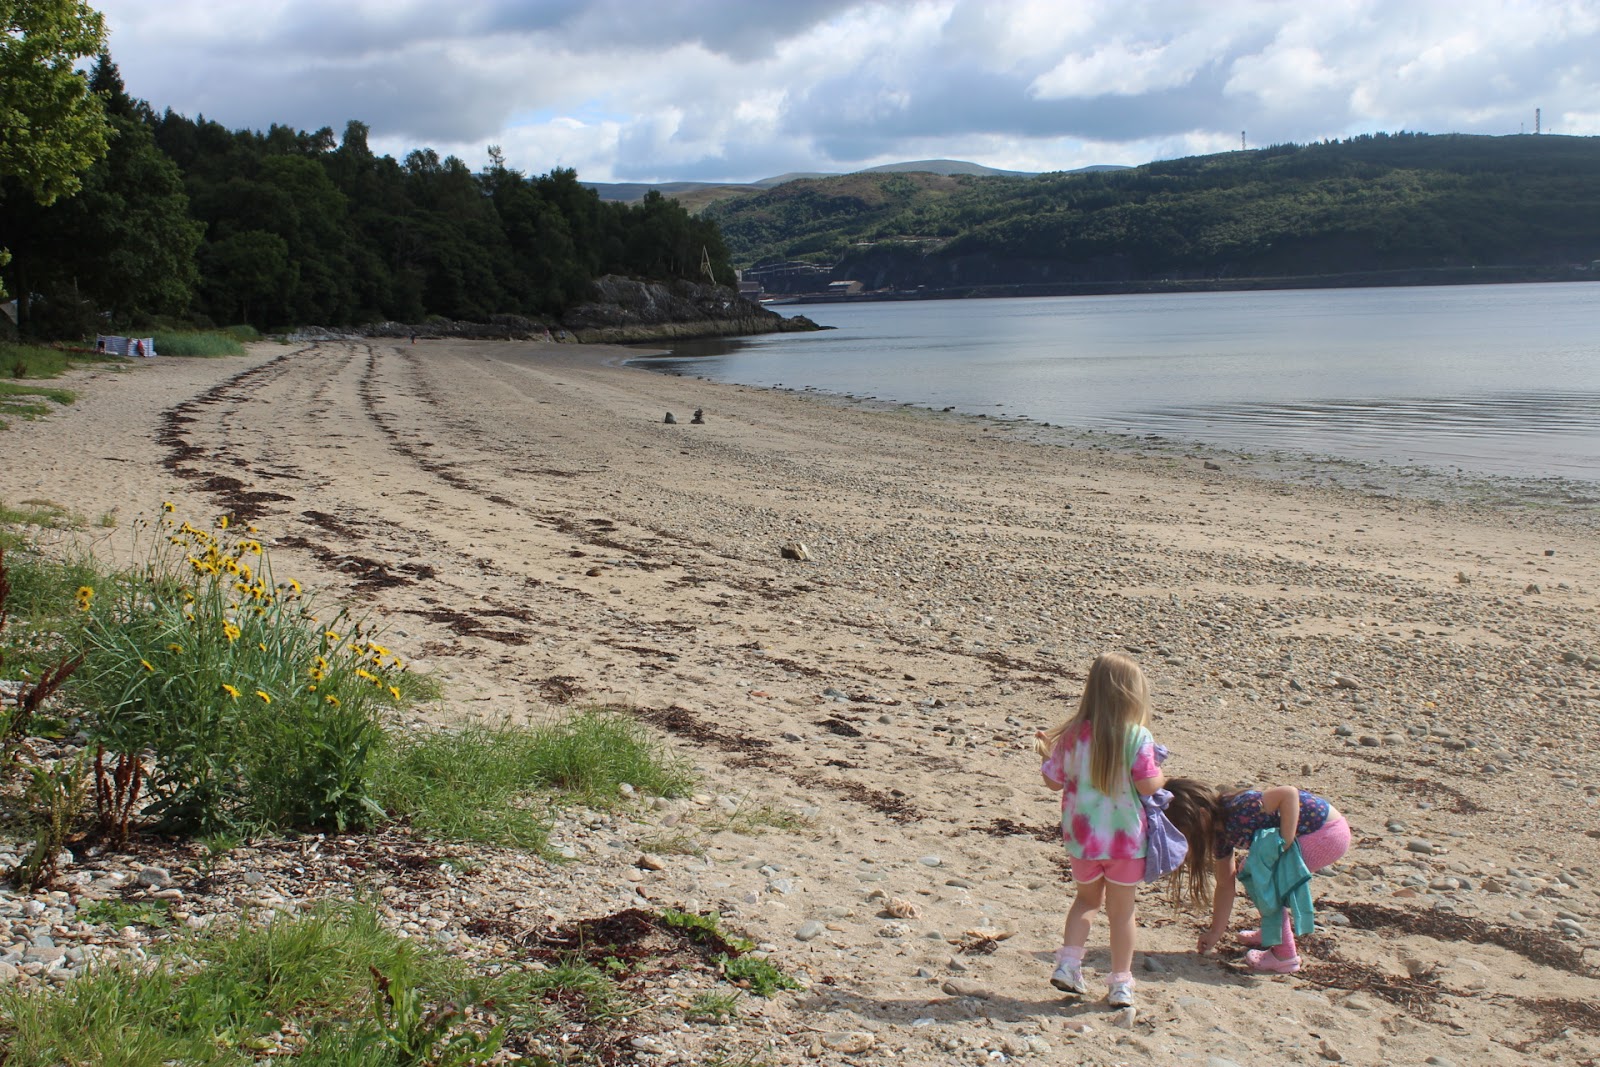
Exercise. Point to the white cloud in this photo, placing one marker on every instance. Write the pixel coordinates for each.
(718, 89)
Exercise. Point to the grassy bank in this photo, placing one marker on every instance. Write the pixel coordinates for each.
(200, 695)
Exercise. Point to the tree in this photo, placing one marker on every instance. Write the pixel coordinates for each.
(124, 241)
(52, 128)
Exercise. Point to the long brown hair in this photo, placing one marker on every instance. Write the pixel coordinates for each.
(1196, 809)
(1115, 699)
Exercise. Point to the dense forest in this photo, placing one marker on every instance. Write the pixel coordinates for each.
(184, 220)
(1376, 203)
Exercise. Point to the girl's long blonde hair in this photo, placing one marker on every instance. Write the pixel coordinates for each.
(1115, 699)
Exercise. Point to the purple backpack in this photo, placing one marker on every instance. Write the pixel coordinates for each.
(1165, 847)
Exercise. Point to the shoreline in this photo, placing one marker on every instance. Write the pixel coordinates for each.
(524, 525)
(1566, 499)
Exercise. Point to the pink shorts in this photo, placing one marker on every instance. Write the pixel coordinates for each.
(1120, 872)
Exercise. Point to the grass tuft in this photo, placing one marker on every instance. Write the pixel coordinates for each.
(494, 783)
(208, 343)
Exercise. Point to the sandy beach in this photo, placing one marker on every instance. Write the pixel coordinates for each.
(527, 529)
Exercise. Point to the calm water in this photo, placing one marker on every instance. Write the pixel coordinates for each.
(1501, 379)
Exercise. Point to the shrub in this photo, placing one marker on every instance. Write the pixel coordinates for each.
(243, 332)
(255, 714)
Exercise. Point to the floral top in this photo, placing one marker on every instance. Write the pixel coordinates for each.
(1245, 817)
(1096, 825)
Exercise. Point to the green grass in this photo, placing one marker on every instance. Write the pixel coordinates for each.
(19, 362)
(43, 623)
(495, 784)
(120, 913)
(222, 999)
(718, 1008)
(209, 343)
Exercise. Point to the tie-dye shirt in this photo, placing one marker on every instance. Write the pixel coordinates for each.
(1095, 825)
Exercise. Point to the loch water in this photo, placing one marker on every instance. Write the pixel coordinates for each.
(1474, 379)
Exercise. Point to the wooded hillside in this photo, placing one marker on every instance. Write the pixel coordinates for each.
(1373, 203)
(185, 218)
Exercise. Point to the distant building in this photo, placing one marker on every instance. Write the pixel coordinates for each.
(849, 287)
(750, 290)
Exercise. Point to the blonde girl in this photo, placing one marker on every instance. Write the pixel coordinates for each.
(1218, 822)
(1102, 760)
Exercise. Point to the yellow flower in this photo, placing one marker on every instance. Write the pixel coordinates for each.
(294, 585)
(250, 546)
(147, 665)
(85, 597)
(330, 635)
(362, 672)
(394, 691)
(331, 699)
(168, 506)
(262, 645)
(262, 693)
(230, 690)
(175, 648)
(316, 675)
(321, 663)
(232, 631)
(222, 522)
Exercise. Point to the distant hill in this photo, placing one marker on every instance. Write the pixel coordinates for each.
(1417, 204)
(695, 195)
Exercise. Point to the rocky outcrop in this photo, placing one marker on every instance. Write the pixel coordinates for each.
(624, 310)
(497, 328)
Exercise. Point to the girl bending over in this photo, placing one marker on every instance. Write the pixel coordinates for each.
(1220, 823)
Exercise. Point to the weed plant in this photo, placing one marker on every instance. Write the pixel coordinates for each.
(243, 332)
(255, 714)
(760, 976)
(197, 343)
(713, 1007)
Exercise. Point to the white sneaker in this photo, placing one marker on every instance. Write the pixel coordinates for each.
(1120, 995)
(1068, 978)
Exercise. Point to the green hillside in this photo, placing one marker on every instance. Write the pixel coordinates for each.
(1376, 203)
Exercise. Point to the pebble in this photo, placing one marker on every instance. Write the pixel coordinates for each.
(848, 1042)
(155, 877)
(965, 987)
(929, 861)
(809, 930)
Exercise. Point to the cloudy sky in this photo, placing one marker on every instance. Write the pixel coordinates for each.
(733, 90)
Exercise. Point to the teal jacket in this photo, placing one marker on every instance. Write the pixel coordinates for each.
(1276, 879)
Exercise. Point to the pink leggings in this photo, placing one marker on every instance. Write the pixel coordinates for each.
(1318, 849)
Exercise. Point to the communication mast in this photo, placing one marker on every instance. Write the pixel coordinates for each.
(1536, 120)
(1241, 140)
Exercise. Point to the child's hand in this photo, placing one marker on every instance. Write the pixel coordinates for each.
(1207, 942)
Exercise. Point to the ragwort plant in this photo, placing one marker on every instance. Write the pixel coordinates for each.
(218, 694)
